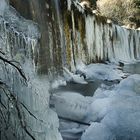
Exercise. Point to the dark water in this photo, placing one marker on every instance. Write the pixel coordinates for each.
(84, 89)
(88, 90)
(132, 68)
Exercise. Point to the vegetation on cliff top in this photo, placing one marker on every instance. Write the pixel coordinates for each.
(123, 12)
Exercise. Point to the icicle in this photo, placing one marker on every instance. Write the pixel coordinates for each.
(90, 37)
(3, 7)
(78, 6)
(69, 4)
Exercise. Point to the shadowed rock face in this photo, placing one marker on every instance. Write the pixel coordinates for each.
(23, 6)
(24, 106)
(29, 117)
(44, 13)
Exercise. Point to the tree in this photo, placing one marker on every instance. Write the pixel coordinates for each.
(123, 12)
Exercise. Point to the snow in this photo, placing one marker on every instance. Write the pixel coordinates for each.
(117, 110)
(124, 123)
(93, 72)
(101, 72)
(70, 105)
(58, 82)
(132, 83)
(113, 111)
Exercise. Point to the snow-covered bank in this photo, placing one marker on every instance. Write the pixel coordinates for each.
(113, 111)
(90, 73)
(100, 71)
(118, 113)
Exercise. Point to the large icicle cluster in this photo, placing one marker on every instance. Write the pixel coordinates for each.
(102, 41)
(17, 34)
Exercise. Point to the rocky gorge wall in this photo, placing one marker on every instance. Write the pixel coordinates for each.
(71, 32)
(24, 96)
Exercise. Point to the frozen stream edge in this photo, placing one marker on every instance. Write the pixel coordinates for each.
(122, 99)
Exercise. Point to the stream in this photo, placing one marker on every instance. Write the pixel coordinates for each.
(72, 129)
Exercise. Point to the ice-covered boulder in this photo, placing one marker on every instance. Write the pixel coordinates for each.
(132, 83)
(118, 109)
(123, 123)
(100, 107)
(70, 105)
(75, 78)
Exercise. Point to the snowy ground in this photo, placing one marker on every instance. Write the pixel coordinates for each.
(111, 114)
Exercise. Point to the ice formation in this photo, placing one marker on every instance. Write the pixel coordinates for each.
(90, 40)
(27, 103)
(71, 77)
(70, 105)
(3, 7)
(102, 41)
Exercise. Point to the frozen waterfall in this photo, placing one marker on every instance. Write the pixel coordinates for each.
(62, 35)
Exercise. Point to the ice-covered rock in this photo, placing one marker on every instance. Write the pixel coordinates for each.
(123, 123)
(101, 72)
(70, 105)
(132, 83)
(118, 109)
(57, 83)
(71, 77)
(29, 115)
